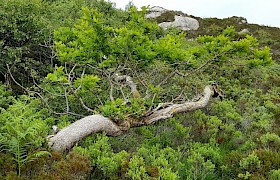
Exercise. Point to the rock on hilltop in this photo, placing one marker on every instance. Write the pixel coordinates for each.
(267, 36)
(172, 19)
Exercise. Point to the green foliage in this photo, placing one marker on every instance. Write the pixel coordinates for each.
(58, 166)
(229, 32)
(262, 58)
(87, 83)
(137, 169)
(270, 160)
(248, 46)
(91, 38)
(274, 174)
(23, 132)
(244, 176)
(269, 139)
(86, 43)
(170, 48)
(236, 138)
(5, 96)
(120, 110)
(57, 76)
(250, 162)
(149, 162)
(103, 157)
(21, 31)
(26, 33)
(201, 161)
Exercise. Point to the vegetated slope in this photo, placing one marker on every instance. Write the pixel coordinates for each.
(235, 137)
(267, 35)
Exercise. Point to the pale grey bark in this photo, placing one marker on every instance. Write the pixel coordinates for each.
(67, 137)
(173, 109)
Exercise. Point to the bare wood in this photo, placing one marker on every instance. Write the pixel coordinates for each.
(67, 137)
(173, 109)
(197, 69)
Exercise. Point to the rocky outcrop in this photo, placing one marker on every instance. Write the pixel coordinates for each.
(244, 32)
(155, 12)
(183, 23)
(172, 19)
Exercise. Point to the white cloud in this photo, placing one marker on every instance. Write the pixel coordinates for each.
(255, 11)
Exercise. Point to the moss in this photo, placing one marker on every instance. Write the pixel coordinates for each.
(7, 165)
(231, 161)
(270, 160)
(152, 171)
(58, 166)
(167, 16)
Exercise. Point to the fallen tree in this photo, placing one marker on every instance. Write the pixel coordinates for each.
(67, 137)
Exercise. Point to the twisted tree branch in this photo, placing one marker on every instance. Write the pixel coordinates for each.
(67, 137)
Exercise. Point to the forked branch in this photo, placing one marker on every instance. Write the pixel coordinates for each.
(67, 137)
(128, 80)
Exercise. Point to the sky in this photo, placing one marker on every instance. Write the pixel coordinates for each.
(255, 11)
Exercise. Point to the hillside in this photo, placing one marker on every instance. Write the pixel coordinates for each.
(267, 36)
(89, 91)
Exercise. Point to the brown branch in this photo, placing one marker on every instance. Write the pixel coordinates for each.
(166, 78)
(188, 74)
(40, 96)
(25, 89)
(66, 99)
(74, 91)
(107, 74)
(197, 69)
(111, 90)
(123, 95)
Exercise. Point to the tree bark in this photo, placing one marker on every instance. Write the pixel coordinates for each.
(172, 109)
(67, 137)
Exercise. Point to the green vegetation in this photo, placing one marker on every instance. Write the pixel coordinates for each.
(59, 62)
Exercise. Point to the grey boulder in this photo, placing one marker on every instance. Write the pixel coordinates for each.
(181, 22)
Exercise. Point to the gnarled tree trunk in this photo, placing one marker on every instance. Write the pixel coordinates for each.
(67, 137)
(71, 134)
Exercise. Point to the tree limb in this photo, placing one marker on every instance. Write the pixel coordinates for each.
(173, 109)
(74, 91)
(130, 83)
(67, 137)
(197, 69)
(40, 96)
